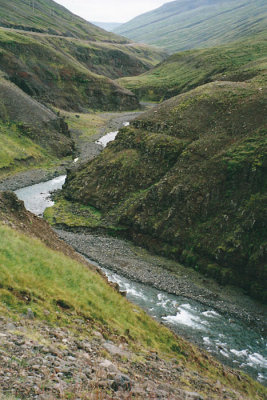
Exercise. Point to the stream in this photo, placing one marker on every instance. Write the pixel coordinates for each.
(230, 341)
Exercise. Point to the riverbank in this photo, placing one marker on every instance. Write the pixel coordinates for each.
(139, 265)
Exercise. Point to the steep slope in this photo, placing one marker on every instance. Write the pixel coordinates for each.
(183, 71)
(182, 25)
(46, 16)
(188, 180)
(52, 76)
(77, 336)
(30, 132)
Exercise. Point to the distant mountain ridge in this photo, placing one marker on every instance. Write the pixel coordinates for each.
(108, 26)
(182, 25)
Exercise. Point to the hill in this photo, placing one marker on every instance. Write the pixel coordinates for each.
(188, 180)
(51, 76)
(62, 60)
(70, 334)
(46, 16)
(237, 61)
(182, 25)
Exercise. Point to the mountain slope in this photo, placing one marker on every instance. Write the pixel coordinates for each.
(77, 336)
(182, 25)
(188, 180)
(51, 76)
(46, 16)
(183, 71)
(70, 67)
(30, 133)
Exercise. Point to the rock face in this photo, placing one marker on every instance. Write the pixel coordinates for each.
(35, 121)
(188, 180)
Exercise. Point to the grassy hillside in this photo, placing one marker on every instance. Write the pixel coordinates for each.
(183, 71)
(188, 180)
(46, 16)
(74, 311)
(182, 25)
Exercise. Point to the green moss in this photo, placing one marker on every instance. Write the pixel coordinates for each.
(67, 213)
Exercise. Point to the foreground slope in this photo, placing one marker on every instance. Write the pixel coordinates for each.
(181, 25)
(238, 61)
(188, 180)
(71, 335)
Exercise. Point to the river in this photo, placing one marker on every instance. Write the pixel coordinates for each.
(230, 341)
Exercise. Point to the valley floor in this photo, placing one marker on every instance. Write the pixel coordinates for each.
(58, 347)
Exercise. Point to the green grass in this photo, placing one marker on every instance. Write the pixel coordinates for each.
(76, 215)
(184, 71)
(183, 25)
(34, 276)
(67, 213)
(16, 148)
(87, 124)
(19, 153)
(48, 278)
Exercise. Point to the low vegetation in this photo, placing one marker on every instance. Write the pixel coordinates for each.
(184, 71)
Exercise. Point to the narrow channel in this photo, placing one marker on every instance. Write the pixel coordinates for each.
(190, 319)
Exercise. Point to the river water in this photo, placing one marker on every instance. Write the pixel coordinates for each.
(230, 341)
(109, 137)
